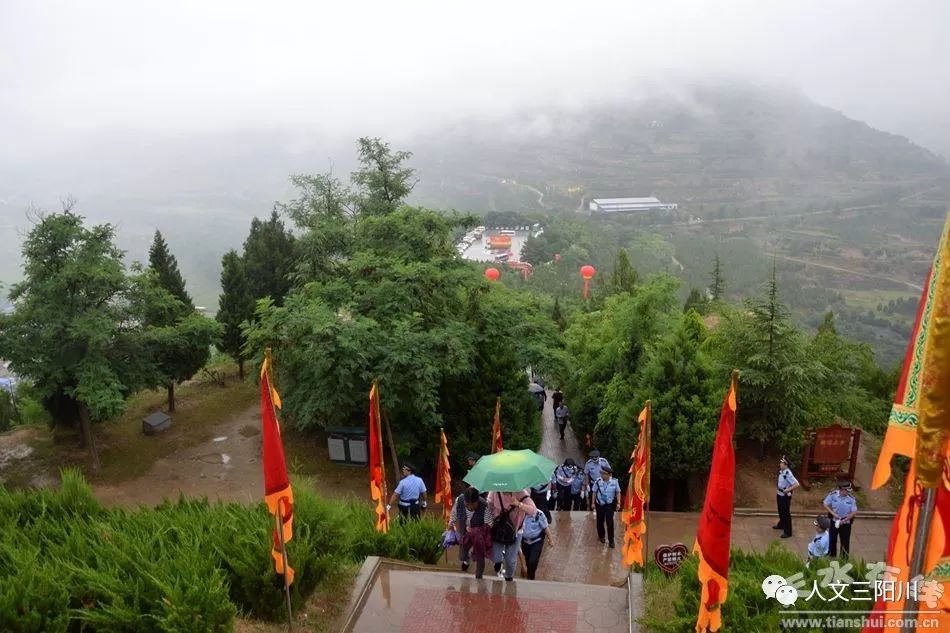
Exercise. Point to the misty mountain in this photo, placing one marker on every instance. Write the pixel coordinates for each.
(716, 150)
(741, 147)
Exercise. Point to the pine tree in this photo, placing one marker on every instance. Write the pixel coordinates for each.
(624, 276)
(269, 253)
(165, 267)
(182, 340)
(718, 286)
(777, 371)
(235, 306)
(679, 377)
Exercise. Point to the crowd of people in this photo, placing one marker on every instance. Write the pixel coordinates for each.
(500, 525)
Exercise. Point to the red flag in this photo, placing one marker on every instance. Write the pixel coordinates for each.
(496, 444)
(377, 467)
(443, 479)
(277, 492)
(638, 494)
(715, 523)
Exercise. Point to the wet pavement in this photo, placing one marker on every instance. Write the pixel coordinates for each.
(577, 555)
(426, 602)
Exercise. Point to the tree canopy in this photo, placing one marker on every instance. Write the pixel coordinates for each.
(78, 329)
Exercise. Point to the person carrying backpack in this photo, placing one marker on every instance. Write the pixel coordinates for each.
(509, 510)
(471, 520)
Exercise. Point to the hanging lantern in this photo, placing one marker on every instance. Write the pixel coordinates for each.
(557, 257)
(492, 274)
(587, 272)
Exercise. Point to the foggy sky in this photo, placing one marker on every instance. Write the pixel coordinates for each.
(75, 71)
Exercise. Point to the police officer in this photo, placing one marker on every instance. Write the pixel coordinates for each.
(564, 477)
(606, 493)
(592, 471)
(539, 494)
(783, 497)
(577, 489)
(410, 493)
(841, 507)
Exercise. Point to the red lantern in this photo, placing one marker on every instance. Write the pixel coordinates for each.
(587, 272)
(557, 257)
(492, 274)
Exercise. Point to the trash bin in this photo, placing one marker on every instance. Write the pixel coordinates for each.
(348, 445)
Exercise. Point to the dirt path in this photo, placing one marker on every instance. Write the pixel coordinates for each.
(849, 271)
(755, 482)
(226, 468)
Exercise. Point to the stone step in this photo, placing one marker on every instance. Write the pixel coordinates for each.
(392, 598)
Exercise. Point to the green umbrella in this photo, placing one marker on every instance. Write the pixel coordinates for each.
(509, 471)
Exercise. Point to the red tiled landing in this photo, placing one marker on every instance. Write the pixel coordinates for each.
(429, 602)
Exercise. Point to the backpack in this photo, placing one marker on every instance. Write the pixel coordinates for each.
(503, 530)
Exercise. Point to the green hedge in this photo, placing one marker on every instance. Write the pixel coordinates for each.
(746, 608)
(68, 564)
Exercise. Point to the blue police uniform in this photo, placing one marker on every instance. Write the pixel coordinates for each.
(564, 477)
(576, 487)
(592, 470)
(606, 494)
(539, 494)
(409, 489)
(818, 546)
(783, 500)
(841, 505)
(532, 541)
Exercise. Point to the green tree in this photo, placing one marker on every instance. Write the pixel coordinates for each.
(165, 267)
(182, 338)
(406, 310)
(623, 277)
(777, 374)
(76, 330)
(852, 392)
(8, 411)
(325, 211)
(235, 307)
(606, 345)
(383, 181)
(557, 316)
(680, 378)
(269, 253)
(718, 286)
(695, 301)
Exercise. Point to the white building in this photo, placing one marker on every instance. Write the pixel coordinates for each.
(629, 205)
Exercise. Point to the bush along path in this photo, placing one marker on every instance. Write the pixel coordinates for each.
(67, 563)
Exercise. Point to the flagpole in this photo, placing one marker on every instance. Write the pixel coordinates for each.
(920, 551)
(279, 518)
(392, 444)
(385, 483)
(646, 506)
